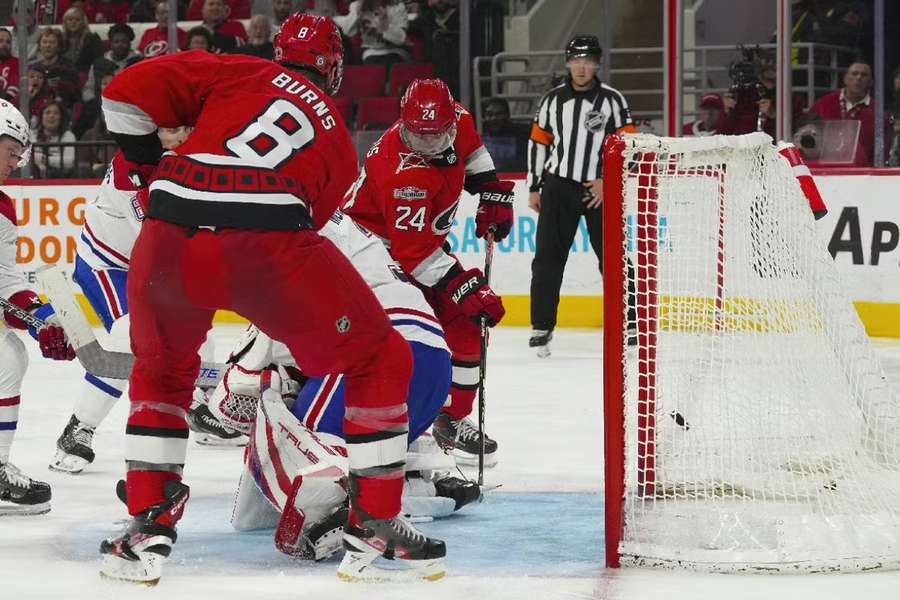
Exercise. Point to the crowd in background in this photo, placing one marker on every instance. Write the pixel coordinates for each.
(68, 65)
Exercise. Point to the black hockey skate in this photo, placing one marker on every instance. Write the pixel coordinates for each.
(462, 439)
(540, 341)
(139, 552)
(209, 430)
(379, 550)
(21, 495)
(73, 448)
(459, 490)
(631, 335)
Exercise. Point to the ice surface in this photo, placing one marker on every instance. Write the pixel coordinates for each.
(539, 536)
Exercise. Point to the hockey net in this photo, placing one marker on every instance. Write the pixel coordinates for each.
(751, 427)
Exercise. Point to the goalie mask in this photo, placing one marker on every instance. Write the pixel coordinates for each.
(428, 117)
(312, 42)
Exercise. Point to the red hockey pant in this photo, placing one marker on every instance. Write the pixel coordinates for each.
(297, 288)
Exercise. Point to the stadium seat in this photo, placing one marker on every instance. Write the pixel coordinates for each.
(377, 112)
(345, 107)
(362, 81)
(402, 75)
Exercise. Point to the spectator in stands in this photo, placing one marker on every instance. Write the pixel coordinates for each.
(894, 105)
(258, 43)
(33, 31)
(38, 93)
(93, 160)
(438, 23)
(711, 114)
(119, 56)
(81, 46)
(107, 11)
(507, 142)
(281, 10)
(381, 25)
(91, 110)
(60, 73)
(9, 68)
(199, 38)
(53, 161)
(853, 102)
(155, 41)
(233, 9)
(227, 34)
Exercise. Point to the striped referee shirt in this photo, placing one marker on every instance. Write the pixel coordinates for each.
(569, 130)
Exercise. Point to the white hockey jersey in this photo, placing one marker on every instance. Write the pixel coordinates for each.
(112, 220)
(12, 279)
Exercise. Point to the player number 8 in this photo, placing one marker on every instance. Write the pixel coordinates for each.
(274, 144)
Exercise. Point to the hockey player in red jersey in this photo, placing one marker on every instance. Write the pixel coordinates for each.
(19, 495)
(408, 194)
(231, 224)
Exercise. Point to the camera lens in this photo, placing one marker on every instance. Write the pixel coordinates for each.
(807, 141)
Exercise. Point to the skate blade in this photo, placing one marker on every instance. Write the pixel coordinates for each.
(543, 351)
(208, 439)
(145, 572)
(63, 462)
(11, 509)
(364, 567)
(471, 460)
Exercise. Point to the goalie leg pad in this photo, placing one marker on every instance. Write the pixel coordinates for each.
(282, 449)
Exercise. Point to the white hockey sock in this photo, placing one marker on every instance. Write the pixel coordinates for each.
(9, 418)
(98, 396)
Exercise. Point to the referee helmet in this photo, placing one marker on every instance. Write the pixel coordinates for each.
(584, 46)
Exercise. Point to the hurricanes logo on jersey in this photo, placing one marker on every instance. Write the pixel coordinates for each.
(595, 121)
(343, 324)
(411, 160)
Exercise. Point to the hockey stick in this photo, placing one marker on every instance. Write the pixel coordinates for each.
(482, 364)
(93, 357)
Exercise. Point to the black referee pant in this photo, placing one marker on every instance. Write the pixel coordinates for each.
(562, 206)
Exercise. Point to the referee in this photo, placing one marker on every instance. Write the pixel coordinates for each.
(565, 175)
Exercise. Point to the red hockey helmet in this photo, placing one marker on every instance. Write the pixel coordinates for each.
(428, 116)
(314, 42)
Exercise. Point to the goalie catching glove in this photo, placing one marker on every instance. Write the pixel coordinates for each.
(469, 290)
(495, 209)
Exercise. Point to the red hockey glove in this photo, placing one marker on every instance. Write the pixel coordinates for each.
(26, 300)
(495, 209)
(51, 337)
(474, 296)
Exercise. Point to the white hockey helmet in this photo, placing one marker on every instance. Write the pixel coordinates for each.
(14, 125)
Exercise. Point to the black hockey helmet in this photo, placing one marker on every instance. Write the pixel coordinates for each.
(584, 45)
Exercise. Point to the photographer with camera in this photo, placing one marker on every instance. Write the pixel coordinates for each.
(750, 102)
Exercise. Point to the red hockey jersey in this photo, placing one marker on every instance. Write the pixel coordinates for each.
(410, 201)
(267, 144)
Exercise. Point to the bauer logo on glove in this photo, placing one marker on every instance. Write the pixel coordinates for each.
(495, 211)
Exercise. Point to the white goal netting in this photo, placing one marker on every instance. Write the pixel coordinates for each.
(760, 431)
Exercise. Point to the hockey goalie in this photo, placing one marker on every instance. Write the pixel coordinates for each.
(295, 463)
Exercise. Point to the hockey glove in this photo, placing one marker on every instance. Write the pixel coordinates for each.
(495, 209)
(473, 295)
(51, 337)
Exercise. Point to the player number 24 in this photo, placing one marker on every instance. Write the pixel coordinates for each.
(407, 219)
